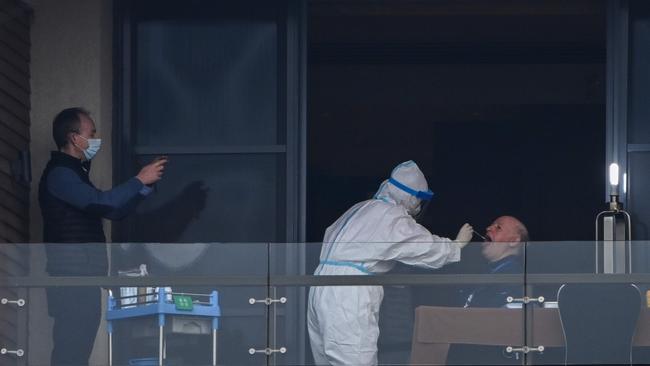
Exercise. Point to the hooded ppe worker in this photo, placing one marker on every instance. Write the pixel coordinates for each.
(368, 239)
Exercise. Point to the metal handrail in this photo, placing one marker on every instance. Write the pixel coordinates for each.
(309, 280)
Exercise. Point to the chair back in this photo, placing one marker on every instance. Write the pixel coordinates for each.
(599, 322)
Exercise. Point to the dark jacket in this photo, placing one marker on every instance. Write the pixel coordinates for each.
(64, 223)
(73, 209)
(490, 296)
(494, 296)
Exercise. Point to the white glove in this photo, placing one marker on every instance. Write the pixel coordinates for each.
(464, 235)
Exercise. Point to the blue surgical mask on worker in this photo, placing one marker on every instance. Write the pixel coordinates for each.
(93, 147)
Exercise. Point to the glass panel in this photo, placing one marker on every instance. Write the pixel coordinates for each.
(192, 199)
(15, 304)
(421, 314)
(422, 311)
(196, 79)
(203, 298)
(588, 316)
(13, 321)
(641, 268)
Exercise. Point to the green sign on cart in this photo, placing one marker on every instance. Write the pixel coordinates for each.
(183, 302)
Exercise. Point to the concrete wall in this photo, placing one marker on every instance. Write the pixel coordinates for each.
(71, 66)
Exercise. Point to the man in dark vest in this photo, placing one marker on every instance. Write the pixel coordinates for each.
(72, 210)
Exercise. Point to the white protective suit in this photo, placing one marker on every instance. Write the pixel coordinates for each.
(368, 239)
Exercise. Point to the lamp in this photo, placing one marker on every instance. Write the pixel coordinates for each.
(614, 204)
(615, 253)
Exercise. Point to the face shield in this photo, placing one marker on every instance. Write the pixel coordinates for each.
(424, 198)
(421, 210)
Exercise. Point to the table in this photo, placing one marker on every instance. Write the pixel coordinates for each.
(436, 328)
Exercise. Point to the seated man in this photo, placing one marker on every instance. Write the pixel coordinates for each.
(502, 248)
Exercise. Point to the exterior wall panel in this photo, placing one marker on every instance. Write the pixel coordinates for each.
(15, 18)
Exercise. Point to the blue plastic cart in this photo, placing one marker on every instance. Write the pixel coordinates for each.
(163, 308)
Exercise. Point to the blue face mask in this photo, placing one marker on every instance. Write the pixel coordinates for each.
(93, 147)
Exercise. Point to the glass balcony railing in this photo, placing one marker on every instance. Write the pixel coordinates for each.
(260, 303)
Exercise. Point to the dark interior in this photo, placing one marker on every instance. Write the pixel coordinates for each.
(501, 104)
